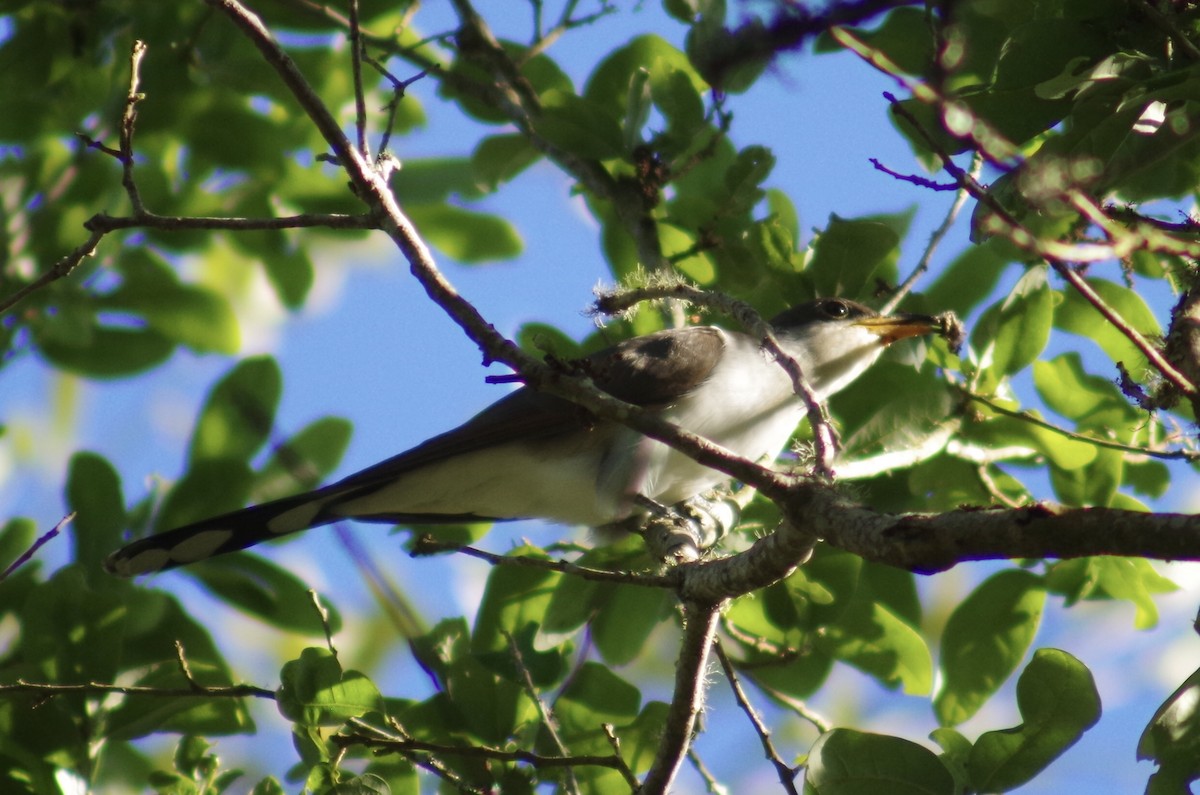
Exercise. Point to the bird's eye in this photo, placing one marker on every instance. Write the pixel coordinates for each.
(835, 308)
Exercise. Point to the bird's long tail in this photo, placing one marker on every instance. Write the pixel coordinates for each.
(225, 533)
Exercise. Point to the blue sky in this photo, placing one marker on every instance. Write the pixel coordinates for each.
(373, 349)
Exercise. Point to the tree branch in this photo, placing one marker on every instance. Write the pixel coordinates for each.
(98, 688)
(787, 775)
(691, 667)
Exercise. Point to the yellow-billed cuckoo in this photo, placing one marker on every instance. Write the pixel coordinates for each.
(532, 455)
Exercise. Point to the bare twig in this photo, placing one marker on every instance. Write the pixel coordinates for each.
(184, 667)
(566, 21)
(57, 271)
(428, 545)
(103, 223)
(128, 122)
(819, 722)
(408, 745)
(939, 234)
(547, 719)
(1059, 255)
(100, 688)
(711, 784)
(421, 759)
(41, 541)
(1025, 416)
(786, 773)
(323, 617)
(360, 103)
(615, 743)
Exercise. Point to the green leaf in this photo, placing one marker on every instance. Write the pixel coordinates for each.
(210, 487)
(16, 538)
(291, 273)
(464, 235)
(71, 631)
(985, 639)
(1058, 703)
(1093, 484)
(595, 696)
(314, 691)
(146, 715)
(240, 411)
(608, 86)
(873, 639)
(500, 158)
(626, 619)
(1075, 394)
(265, 590)
(1011, 334)
(94, 494)
(745, 176)
(434, 180)
(637, 110)
(1075, 315)
(675, 94)
(969, 278)
(579, 126)
(903, 37)
(515, 597)
(305, 460)
(848, 762)
(848, 252)
(1107, 577)
(956, 750)
(104, 351)
(193, 316)
(696, 265)
(1172, 739)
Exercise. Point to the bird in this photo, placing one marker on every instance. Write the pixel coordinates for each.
(531, 455)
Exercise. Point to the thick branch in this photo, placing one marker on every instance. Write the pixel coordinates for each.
(928, 543)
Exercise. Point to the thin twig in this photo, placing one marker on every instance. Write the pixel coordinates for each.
(614, 742)
(1058, 255)
(428, 545)
(427, 761)
(98, 688)
(128, 122)
(184, 667)
(57, 271)
(408, 745)
(360, 103)
(819, 722)
(104, 223)
(42, 540)
(548, 721)
(1170, 455)
(710, 781)
(323, 617)
(786, 773)
(939, 234)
